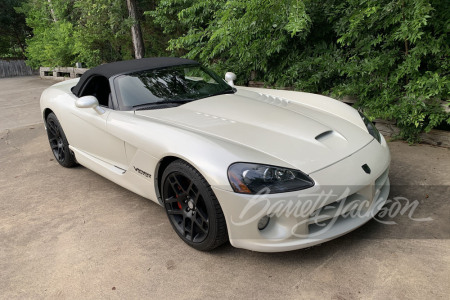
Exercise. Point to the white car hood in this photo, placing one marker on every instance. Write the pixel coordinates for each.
(306, 138)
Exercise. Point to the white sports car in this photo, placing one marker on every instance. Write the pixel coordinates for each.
(269, 170)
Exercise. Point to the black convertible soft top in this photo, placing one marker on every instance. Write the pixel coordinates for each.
(129, 66)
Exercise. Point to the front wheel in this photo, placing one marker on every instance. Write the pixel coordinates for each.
(58, 142)
(192, 208)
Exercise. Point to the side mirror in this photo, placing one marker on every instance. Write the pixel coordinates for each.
(230, 77)
(89, 102)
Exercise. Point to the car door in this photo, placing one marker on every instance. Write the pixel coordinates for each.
(91, 134)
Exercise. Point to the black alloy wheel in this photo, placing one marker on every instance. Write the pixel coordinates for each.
(58, 142)
(192, 208)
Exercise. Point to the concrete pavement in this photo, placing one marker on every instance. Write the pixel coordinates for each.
(19, 100)
(71, 234)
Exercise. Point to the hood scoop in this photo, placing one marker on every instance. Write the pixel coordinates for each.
(332, 139)
(324, 135)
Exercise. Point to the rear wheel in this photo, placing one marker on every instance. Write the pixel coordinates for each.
(192, 208)
(58, 142)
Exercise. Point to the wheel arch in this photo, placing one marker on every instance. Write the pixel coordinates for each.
(46, 112)
(159, 170)
(165, 161)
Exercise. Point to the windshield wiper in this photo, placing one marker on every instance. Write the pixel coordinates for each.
(223, 92)
(162, 102)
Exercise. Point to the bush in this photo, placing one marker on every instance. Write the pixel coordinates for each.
(393, 56)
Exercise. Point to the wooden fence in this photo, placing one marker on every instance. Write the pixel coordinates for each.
(14, 68)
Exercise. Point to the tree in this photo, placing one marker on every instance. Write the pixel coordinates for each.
(391, 55)
(397, 59)
(13, 29)
(52, 43)
(101, 31)
(136, 33)
(88, 31)
(243, 36)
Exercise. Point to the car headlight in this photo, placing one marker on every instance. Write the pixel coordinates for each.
(371, 127)
(249, 178)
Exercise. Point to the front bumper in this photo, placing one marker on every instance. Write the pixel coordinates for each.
(344, 198)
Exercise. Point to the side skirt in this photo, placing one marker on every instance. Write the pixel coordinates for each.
(128, 180)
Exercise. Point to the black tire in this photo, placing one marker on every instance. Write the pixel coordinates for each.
(192, 208)
(58, 142)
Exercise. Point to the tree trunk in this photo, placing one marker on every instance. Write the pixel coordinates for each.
(52, 12)
(136, 33)
(20, 43)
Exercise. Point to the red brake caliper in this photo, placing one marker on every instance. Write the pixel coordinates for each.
(178, 202)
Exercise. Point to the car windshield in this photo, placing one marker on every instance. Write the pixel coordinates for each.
(174, 85)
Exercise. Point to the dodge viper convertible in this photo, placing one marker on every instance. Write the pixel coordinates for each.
(269, 170)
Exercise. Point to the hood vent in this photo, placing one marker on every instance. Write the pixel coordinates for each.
(332, 140)
(324, 135)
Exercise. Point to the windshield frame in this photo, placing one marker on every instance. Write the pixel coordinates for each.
(121, 104)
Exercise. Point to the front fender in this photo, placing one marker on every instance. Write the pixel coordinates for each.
(210, 155)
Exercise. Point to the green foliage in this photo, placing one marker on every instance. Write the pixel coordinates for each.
(13, 29)
(88, 31)
(102, 33)
(241, 35)
(391, 55)
(397, 60)
(52, 42)
(155, 40)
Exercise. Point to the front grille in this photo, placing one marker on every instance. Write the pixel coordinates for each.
(340, 207)
(354, 205)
